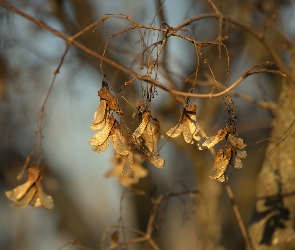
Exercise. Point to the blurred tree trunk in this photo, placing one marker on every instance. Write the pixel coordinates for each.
(274, 216)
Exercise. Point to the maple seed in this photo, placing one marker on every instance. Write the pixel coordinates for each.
(100, 137)
(221, 163)
(188, 126)
(119, 142)
(145, 119)
(99, 116)
(208, 142)
(157, 161)
(31, 192)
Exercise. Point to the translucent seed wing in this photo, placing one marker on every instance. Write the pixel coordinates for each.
(26, 199)
(102, 135)
(187, 134)
(241, 154)
(128, 164)
(103, 146)
(46, 200)
(119, 143)
(145, 119)
(99, 116)
(238, 163)
(176, 131)
(221, 163)
(157, 161)
(207, 142)
(236, 142)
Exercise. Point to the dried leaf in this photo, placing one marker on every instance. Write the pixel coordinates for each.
(103, 146)
(176, 131)
(208, 142)
(236, 142)
(100, 137)
(145, 119)
(221, 163)
(119, 143)
(99, 116)
(157, 161)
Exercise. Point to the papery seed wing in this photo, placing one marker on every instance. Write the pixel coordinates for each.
(103, 146)
(236, 142)
(36, 201)
(119, 143)
(18, 192)
(187, 134)
(145, 119)
(99, 116)
(151, 134)
(26, 199)
(222, 160)
(176, 131)
(102, 135)
(128, 164)
(157, 161)
(238, 163)
(207, 142)
(241, 154)
(46, 200)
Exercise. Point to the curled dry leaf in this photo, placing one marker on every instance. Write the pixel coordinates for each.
(112, 102)
(188, 126)
(99, 116)
(31, 192)
(221, 163)
(101, 136)
(135, 173)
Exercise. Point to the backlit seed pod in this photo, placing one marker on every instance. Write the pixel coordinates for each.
(99, 116)
(102, 135)
(221, 163)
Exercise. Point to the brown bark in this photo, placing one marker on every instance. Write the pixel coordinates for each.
(274, 217)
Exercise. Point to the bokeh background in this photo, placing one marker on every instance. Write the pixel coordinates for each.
(86, 203)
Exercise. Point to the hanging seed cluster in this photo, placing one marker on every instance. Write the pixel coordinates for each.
(144, 139)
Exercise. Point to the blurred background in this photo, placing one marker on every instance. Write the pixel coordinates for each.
(86, 203)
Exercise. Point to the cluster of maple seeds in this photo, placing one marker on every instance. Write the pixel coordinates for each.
(147, 134)
(30, 192)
